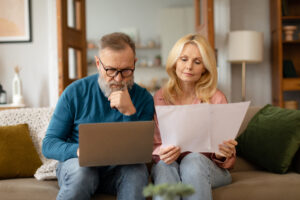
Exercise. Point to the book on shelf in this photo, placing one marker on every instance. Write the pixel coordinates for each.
(284, 8)
(289, 70)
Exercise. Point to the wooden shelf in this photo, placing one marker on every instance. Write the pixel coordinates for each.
(147, 47)
(291, 42)
(10, 106)
(290, 84)
(290, 18)
(94, 47)
(152, 67)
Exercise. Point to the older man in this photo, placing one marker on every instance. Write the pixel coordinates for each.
(110, 96)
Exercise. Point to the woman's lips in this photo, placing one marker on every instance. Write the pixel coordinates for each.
(187, 74)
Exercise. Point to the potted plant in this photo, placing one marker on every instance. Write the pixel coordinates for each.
(168, 191)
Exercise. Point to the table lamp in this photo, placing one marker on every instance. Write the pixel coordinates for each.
(245, 47)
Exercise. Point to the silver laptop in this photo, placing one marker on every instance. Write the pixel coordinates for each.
(115, 143)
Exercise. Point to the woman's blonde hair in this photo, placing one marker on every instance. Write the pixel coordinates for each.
(206, 86)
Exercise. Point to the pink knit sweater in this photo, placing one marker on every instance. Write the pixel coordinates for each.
(217, 98)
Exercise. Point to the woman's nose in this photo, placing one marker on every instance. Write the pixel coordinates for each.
(189, 65)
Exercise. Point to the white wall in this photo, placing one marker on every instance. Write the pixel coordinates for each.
(253, 15)
(144, 16)
(31, 57)
(175, 23)
(222, 27)
(109, 16)
(38, 58)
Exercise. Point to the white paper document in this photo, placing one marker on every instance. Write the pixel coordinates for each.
(200, 127)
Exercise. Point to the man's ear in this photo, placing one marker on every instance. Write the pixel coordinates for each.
(135, 60)
(97, 62)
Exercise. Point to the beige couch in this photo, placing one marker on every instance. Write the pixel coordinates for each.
(249, 181)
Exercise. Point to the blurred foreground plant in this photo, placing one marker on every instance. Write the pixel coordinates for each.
(168, 191)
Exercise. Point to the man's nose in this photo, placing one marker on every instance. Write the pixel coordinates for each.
(118, 77)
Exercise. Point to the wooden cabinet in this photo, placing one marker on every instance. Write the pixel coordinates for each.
(284, 13)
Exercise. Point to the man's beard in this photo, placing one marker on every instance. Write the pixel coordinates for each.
(119, 86)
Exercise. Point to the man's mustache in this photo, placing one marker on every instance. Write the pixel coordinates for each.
(118, 85)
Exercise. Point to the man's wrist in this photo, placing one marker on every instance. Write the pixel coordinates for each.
(131, 111)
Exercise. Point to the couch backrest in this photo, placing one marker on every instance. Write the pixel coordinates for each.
(242, 164)
(37, 120)
(250, 113)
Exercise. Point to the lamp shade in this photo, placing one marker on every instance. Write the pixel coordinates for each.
(245, 46)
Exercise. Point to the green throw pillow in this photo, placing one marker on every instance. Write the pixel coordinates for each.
(271, 139)
(18, 156)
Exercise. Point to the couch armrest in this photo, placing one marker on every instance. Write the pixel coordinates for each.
(241, 164)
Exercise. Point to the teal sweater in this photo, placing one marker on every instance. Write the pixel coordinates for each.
(83, 102)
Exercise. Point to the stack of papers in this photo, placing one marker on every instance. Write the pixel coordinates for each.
(200, 127)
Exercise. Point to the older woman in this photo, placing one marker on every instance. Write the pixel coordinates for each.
(192, 71)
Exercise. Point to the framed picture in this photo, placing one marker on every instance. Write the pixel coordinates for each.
(15, 21)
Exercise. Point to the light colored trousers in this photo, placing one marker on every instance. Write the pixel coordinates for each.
(78, 183)
(194, 169)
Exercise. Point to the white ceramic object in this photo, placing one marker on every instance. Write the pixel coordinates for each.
(17, 89)
(289, 32)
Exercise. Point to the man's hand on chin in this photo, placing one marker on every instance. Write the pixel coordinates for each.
(121, 100)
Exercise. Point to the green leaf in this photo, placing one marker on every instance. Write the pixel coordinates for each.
(168, 191)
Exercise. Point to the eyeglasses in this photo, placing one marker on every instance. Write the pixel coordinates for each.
(112, 72)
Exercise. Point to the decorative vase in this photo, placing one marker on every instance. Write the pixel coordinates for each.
(289, 32)
(17, 88)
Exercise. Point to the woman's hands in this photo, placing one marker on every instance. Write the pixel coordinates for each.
(227, 149)
(169, 154)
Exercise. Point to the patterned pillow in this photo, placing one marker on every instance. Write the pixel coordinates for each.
(47, 171)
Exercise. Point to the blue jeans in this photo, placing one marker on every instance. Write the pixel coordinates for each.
(125, 181)
(194, 169)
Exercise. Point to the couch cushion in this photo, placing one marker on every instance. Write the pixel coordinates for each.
(272, 138)
(246, 185)
(28, 188)
(241, 164)
(18, 156)
(260, 185)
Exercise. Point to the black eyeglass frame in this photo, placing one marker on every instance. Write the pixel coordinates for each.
(115, 71)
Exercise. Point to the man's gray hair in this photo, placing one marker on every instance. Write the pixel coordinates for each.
(116, 41)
